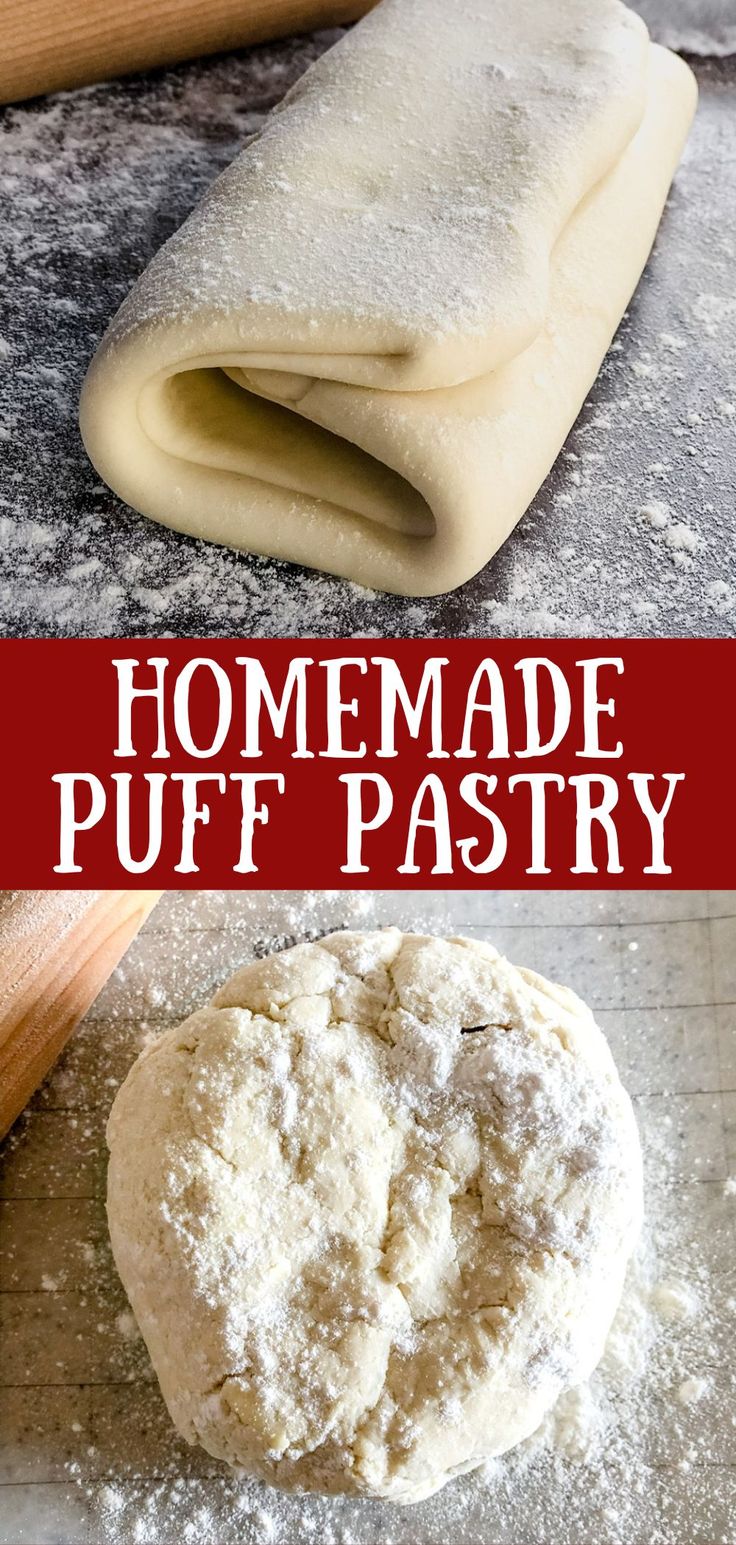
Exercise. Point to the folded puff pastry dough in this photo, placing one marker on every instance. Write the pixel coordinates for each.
(364, 349)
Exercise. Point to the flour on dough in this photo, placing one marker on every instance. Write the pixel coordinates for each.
(373, 1208)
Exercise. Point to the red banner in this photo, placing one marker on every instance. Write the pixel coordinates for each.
(312, 764)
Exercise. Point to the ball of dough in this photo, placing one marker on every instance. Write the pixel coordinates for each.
(373, 1208)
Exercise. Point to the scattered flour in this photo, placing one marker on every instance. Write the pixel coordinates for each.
(679, 538)
(682, 538)
(673, 1301)
(690, 1391)
(126, 1326)
(657, 514)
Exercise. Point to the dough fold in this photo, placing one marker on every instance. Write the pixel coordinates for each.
(363, 350)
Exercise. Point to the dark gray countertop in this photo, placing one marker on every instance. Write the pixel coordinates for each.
(633, 532)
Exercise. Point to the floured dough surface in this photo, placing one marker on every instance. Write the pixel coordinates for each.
(392, 222)
(373, 1208)
(364, 348)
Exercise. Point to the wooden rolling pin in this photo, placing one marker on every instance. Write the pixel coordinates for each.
(48, 45)
(57, 949)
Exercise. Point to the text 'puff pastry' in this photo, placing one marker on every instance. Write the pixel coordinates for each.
(366, 345)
